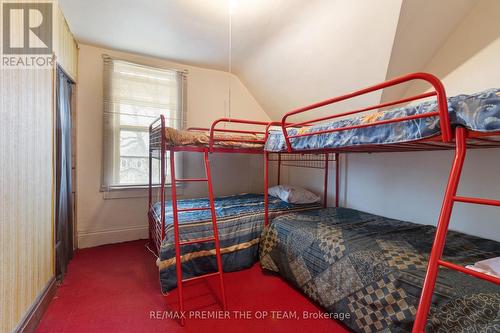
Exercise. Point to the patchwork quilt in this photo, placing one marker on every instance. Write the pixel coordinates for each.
(240, 219)
(372, 268)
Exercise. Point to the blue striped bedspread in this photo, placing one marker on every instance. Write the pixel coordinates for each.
(240, 219)
(478, 112)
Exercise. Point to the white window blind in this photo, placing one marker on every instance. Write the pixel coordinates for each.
(134, 96)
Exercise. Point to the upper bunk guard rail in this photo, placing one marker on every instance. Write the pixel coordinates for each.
(213, 129)
(157, 129)
(439, 92)
(156, 139)
(204, 129)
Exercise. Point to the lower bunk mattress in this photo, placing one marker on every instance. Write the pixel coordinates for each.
(240, 219)
(372, 268)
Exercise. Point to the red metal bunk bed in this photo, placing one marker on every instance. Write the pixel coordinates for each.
(159, 148)
(459, 139)
(213, 142)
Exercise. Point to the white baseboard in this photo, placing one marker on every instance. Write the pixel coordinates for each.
(112, 235)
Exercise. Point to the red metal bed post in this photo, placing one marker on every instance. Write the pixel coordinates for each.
(441, 231)
(279, 168)
(162, 175)
(266, 186)
(175, 213)
(337, 180)
(325, 186)
(150, 189)
(215, 229)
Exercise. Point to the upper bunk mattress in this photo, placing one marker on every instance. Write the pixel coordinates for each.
(240, 219)
(478, 112)
(372, 268)
(176, 137)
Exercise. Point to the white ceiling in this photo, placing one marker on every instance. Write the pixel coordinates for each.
(194, 32)
(287, 52)
(189, 31)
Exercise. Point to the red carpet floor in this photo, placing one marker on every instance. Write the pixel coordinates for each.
(115, 288)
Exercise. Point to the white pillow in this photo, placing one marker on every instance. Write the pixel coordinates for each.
(293, 194)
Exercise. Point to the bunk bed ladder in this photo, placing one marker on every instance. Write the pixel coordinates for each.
(435, 259)
(179, 243)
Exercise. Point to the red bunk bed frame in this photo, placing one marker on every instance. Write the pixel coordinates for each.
(158, 148)
(459, 139)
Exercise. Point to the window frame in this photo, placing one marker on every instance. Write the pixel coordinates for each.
(115, 160)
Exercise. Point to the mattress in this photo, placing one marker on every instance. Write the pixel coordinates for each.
(477, 112)
(177, 137)
(239, 219)
(371, 269)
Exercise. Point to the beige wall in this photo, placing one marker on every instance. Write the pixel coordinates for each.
(410, 186)
(116, 217)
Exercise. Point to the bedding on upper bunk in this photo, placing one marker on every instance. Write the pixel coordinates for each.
(372, 268)
(176, 137)
(478, 112)
(240, 219)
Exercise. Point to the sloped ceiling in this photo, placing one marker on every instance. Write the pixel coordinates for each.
(287, 52)
(423, 27)
(329, 48)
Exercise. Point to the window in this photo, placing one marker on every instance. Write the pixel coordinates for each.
(134, 96)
